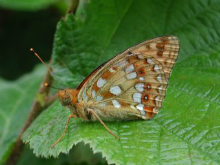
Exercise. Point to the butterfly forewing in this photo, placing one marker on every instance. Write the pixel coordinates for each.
(163, 49)
(132, 84)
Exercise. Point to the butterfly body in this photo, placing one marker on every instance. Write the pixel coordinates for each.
(81, 109)
(130, 86)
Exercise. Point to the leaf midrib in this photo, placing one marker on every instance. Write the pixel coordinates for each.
(114, 31)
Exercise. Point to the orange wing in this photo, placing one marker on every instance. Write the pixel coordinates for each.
(133, 83)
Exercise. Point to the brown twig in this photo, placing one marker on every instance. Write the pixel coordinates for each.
(72, 6)
(36, 109)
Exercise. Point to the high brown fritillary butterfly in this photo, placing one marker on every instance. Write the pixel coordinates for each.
(130, 86)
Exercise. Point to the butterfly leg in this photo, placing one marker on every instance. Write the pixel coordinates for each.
(100, 120)
(66, 127)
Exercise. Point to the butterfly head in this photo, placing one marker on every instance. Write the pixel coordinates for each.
(68, 96)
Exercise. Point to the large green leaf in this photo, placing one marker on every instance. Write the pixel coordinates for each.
(16, 99)
(187, 129)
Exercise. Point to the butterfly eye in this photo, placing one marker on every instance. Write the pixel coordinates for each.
(66, 100)
(64, 97)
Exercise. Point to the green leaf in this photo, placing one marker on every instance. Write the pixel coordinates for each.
(27, 5)
(187, 129)
(16, 99)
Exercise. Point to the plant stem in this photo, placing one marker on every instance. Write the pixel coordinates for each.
(73, 6)
(36, 109)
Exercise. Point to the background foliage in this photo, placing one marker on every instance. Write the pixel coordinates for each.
(186, 131)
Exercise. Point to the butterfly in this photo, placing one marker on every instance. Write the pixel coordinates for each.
(130, 86)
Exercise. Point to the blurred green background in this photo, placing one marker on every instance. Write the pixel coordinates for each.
(21, 29)
(26, 24)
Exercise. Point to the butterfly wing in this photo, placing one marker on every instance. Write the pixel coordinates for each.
(132, 84)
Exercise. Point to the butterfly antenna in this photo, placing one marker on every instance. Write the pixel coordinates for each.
(32, 50)
(46, 84)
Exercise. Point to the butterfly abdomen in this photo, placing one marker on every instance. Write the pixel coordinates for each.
(107, 114)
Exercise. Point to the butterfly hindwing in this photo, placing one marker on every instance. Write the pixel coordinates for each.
(133, 84)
